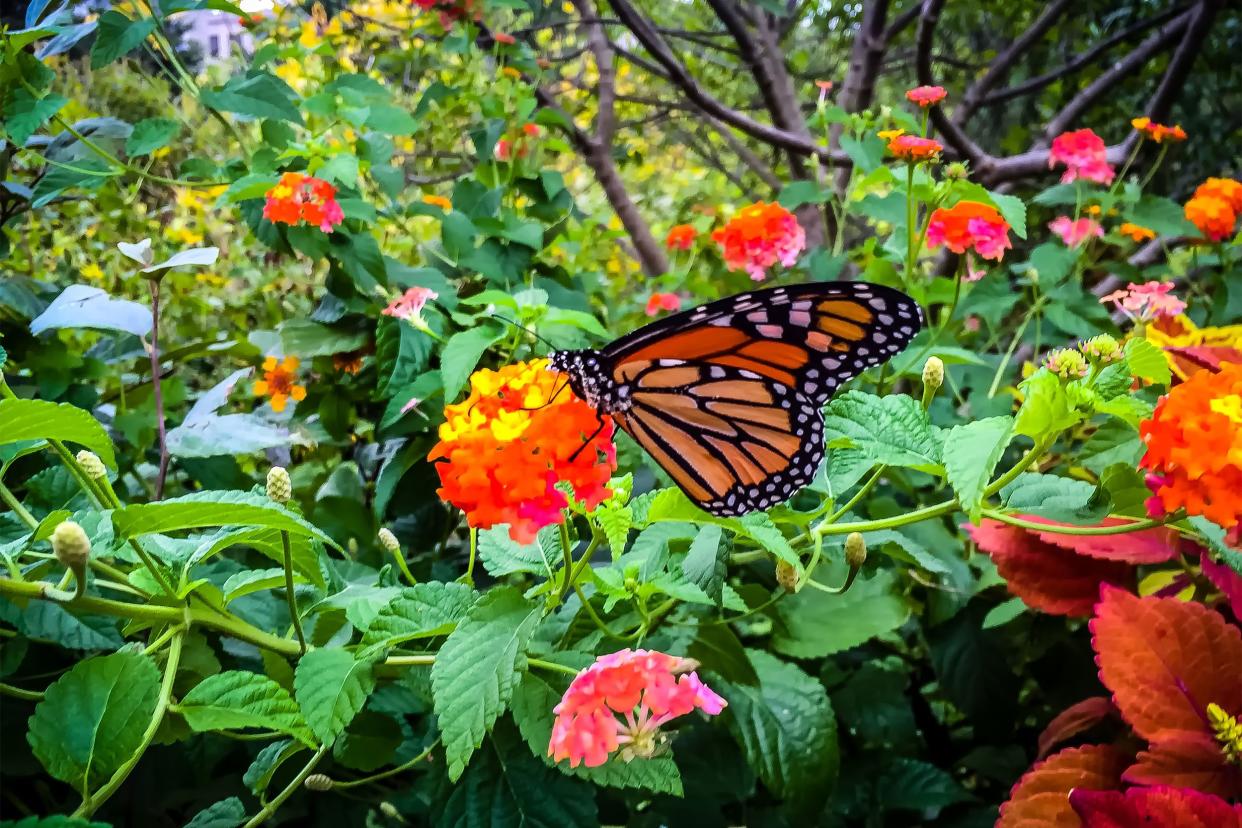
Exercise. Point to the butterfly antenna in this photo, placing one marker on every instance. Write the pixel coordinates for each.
(524, 328)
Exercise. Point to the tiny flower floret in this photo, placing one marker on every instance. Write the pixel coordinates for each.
(1158, 132)
(1147, 301)
(1066, 363)
(925, 96)
(681, 237)
(1084, 155)
(1137, 232)
(279, 382)
(663, 302)
(1074, 232)
(303, 198)
(621, 701)
(409, 306)
(760, 236)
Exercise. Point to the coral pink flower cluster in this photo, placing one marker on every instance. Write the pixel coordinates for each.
(658, 302)
(760, 236)
(925, 96)
(967, 225)
(303, 198)
(408, 307)
(1084, 155)
(1147, 301)
(1074, 232)
(645, 688)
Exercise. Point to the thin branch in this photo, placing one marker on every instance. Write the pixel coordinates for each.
(953, 134)
(1161, 103)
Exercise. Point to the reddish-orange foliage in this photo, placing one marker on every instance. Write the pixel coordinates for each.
(1040, 799)
(1146, 547)
(1192, 760)
(1073, 720)
(1047, 577)
(1162, 807)
(1226, 580)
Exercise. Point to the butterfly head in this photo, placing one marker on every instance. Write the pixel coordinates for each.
(587, 377)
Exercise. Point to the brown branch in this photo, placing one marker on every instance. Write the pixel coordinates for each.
(902, 22)
(748, 157)
(952, 133)
(1161, 103)
(1003, 62)
(866, 54)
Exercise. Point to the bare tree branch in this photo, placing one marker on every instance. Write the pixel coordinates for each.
(1161, 103)
(953, 134)
(866, 54)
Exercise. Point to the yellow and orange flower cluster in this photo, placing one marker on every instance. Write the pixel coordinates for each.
(299, 198)
(1215, 207)
(758, 237)
(280, 382)
(507, 451)
(1158, 132)
(1194, 443)
(911, 148)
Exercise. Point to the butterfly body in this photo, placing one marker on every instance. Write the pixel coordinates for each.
(727, 397)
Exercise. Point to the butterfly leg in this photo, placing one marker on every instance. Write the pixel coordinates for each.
(602, 423)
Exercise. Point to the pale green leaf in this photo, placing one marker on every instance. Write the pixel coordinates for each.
(971, 452)
(1147, 361)
(211, 508)
(251, 581)
(1056, 498)
(501, 555)
(421, 611)
(42, 420)
(893, 430)
(331, 686)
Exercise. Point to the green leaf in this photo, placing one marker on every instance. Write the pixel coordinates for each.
(151, 134)
(506, 787)
(239, 699)
(421, 611)
(893, 430)
(25, 114)
(117, 36)
(787, 730)
(672, 505)
(251, 581)
(814, 624)
(227, 813)
(88, 174)
(267, 541)
(259, 775)
(260, 96)
(331, 686)
(311, 339)
(476, 670)
(369, 743)
(1056, 498)
(705, 564)
(1160, 214)
(83, 306)
(46, 621)
(533, 701)
(1147, 361)
(1013, 210)
(42, 420)
(909, 784)
(971, 452)
(92, 719)
(1046, 408)
(867, 153)
(797, 193)
(461, 354)
(502, 555)
(211, 508)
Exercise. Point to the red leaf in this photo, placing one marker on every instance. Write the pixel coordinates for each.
(1224, 579)
(1189, 359)
(1162, 807)
(1165, 660)
(1040, 799)
(1046, 577)
(1145, 547)
(1187, 760)
(1073, 720)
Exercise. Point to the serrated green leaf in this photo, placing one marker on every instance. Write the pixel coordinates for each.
(42, 420)
(476, 670)
(1147, 361)
(1056, 498)
(151, 134)
(893, 430)
(92, 719)
(211, 508)
(238, 699)
(533, 701)
(672, 505)
(259, 95)
(421, 611)
(910, 784)
(461, 354)
(814, 624)
(116, 36)
(227, 813)
(1047, 409)
(1163, 215)
(266, 541)
(331, 686)
(501, 555)
(705, 562)
(787, 730)
(255, 580)
(259, 775)
(616, 520)
(25, 115)
(369, 743)
(1215, 537)
(971, 452)
(47, 621)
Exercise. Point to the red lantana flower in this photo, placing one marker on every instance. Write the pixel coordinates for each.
(303, 198)
(663, 302)
(1084, 155)
(506, 450)
(504, 37)
(644, 687)
(925, 96)
(758, 237)
(681, 237)
(1214, 217)
(970, 225)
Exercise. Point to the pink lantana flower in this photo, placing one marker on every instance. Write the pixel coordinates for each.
(758, 237)
(1075, 232)
(408, 307)
(1147, 301)
(1084, 155)
(663, 302)
(925, 96)
(620, 702)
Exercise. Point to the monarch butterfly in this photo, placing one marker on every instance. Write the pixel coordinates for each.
(727, 397)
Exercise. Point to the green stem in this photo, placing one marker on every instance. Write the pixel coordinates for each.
(910, 233)
(552, 665)
(859, 495)
(1013, 346)
(568, 557)
(1136, 526)
(19, 693)
(290, 789)
(376, 777)
(410, 661)
(289, 594)
(1164, 150)
(474, 548)
(601, 624)
(102, 795)
(18, 509)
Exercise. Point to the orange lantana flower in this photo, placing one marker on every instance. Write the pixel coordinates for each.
(509, 452)
(438, 201)
(1226, 189)
(1136, 231)
(925, 96)
(681, 237)
(758, 237)
(1158, 132)
(347, 363)
(278, 382)
(1194, 442)
(969, 224)
(911, 147)
(1213, 216)
(303, 198)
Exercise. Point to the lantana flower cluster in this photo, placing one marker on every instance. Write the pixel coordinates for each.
(970, 225)
(1150, 300)
(760, 236)
(911, 148)
(681, 237)
(1084, 155)
(1074, 232)
(510, 451)
(1158, 132)
(1194, 445)
(516, 145)
(645, 688)
(1215, 208)
(301, 198)
(408, 307)
(280, 382)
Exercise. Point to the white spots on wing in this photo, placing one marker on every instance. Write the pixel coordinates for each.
(717, 372)
(722, 322)
(770, 331)
(801, 319)
(878, 303)
(758, 317)
(885, 319)
(879, 337)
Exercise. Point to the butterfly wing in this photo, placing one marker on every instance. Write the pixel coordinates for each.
(811, 337)
(734, 440)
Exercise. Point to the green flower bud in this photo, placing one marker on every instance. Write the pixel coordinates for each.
(279, 487)
(92, 465)
(71, 546)
(957, 171)
(318, 782)
(1066, 363)
(389, 541)
(855, 550)
(389, 810)
(1103, 349)
(933, 378)
(786, 575)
